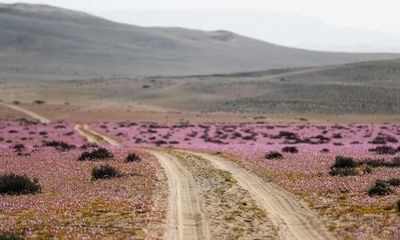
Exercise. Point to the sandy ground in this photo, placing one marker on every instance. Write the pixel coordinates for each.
(29, 113)
(293, 218)
(98, 112)
(231, 210)
(186, 218)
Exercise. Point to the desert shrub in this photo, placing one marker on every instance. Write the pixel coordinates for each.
(398, 206)
(344, 172)
(319, 139)
(287, 135)
(382, 163)
(8, 236)
(381, 188)
(375, 162)
(105, 172)
(250, 137)
(69, 133)
(89, 145)
(98, 154)
(382, 150)
(39, 102)
(274, 155)
(344, 162)
(290, 150)
(337, 135)
(395, 182)
(395, 162)
(325, 150)
(383, 139)
(19, 147)
(133, 157)
(345, 166)
(59, 145)
(12, 184)
(160, 142)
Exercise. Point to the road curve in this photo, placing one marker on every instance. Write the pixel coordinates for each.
(293, 219)
(94, 137)
(27, 112)
(186, 219)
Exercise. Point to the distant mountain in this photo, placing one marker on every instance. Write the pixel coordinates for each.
(283, 28)
(39, 39)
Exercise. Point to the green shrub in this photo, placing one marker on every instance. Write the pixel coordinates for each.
(19, 147)
(98, 154)
(274, 155)
(344, 172)
(105, 172)
(398, 206)
(395, 182)
(325, 150)
(39, 102)
(133, 157)
(375, 163)
(337, 136)
(395, 162)
(7, 236)
(381, 188)
(59, 145)
(12, 184)
(383, 150)
(344, 162)
(290, 150)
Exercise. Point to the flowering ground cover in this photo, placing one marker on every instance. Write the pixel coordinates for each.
(72, 204)
(300, 158)
(22, 131)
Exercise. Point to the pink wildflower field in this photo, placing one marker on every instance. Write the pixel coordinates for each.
(71, 205)
(299, 157)
(344, 201)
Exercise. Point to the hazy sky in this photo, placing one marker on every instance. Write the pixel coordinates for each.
(370, 15)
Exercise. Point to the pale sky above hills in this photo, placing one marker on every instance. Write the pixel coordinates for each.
(347, 25)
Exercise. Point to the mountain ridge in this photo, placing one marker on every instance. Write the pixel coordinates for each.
(56, 41)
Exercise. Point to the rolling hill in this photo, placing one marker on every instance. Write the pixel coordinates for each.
(46, 42)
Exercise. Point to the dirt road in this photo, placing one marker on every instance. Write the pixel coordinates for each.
(27, 112)
(95, 137)
(293, 219)
(186, 219)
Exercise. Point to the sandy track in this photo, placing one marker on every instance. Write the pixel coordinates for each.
(94, 137)
(293, 219)
(186, 219)
(27, 112)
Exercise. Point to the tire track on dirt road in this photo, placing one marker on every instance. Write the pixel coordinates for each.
(31, 114)
(83, 129)
(93, 136)
(186, 219)
(293, 219)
